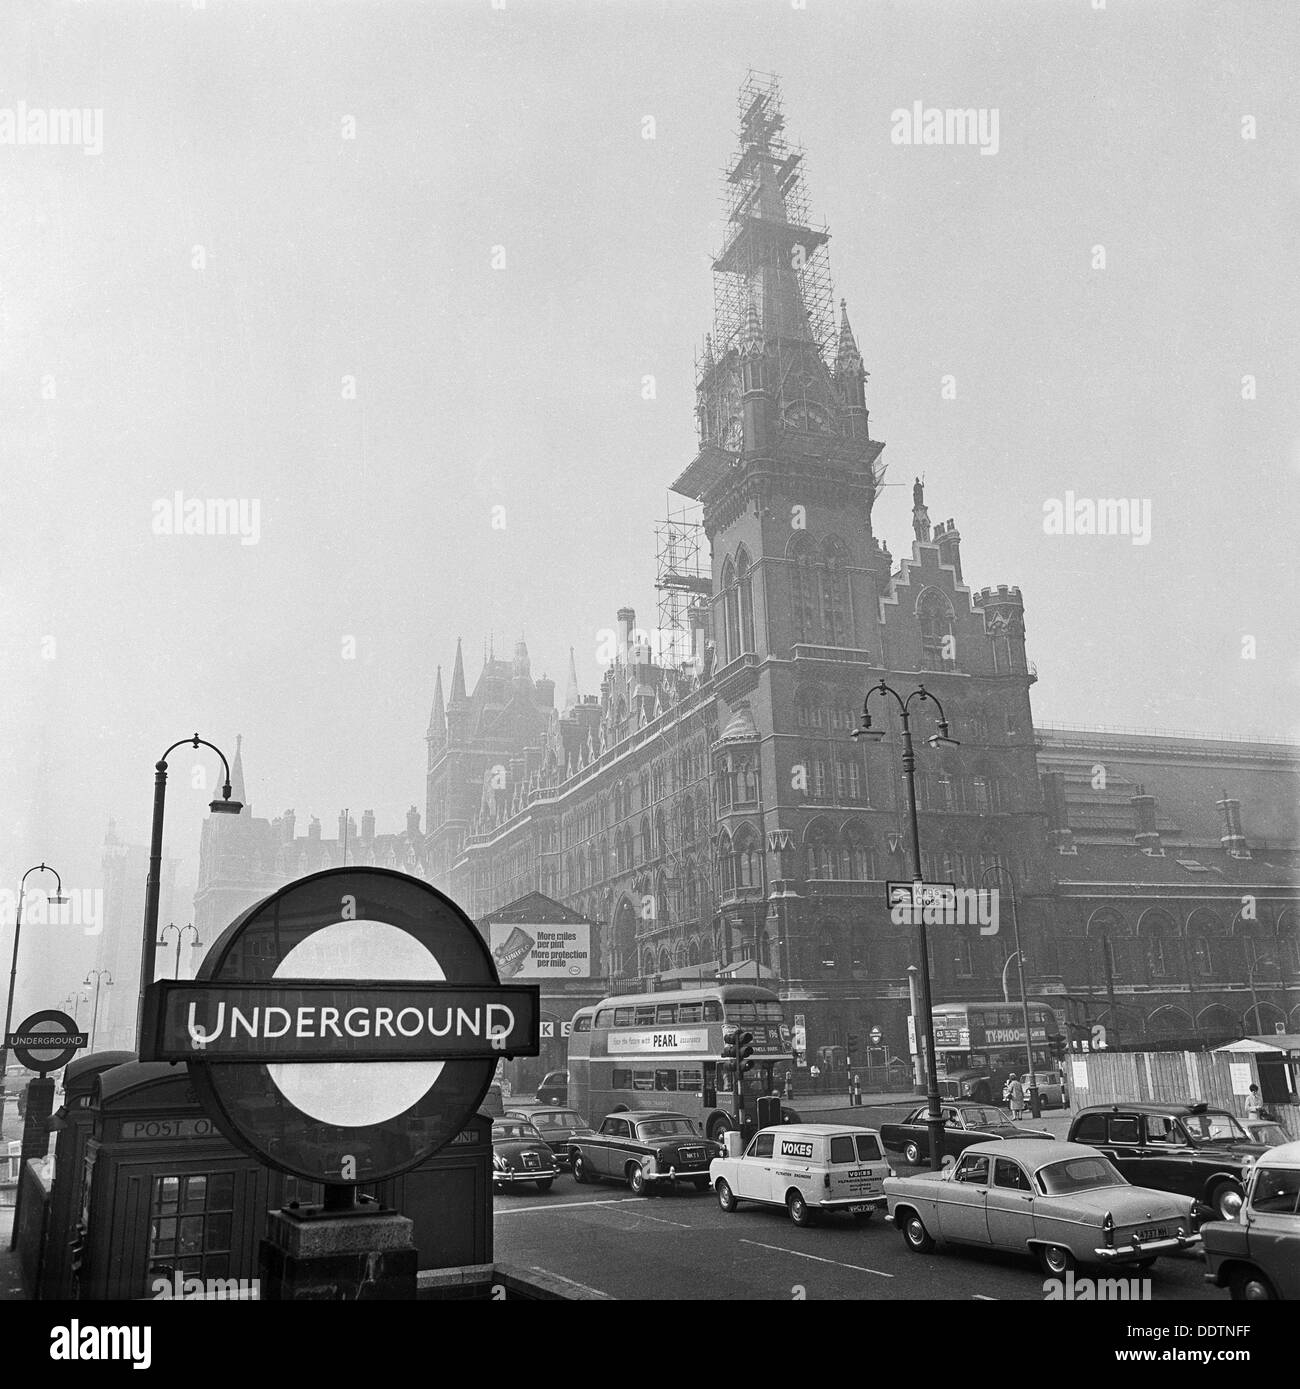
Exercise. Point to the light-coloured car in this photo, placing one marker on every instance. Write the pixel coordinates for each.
(807, 1168)
(1257, 1255)
(1052, 1093)
(1063, 1202)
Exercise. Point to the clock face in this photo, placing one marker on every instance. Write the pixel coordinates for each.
(808, 416)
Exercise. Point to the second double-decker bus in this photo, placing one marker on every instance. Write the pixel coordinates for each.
(978, 1046)
(665, 1051)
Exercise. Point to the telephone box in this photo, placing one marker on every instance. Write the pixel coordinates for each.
(73, 1122)
(162, 1196)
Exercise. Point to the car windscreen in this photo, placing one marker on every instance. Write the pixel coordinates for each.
(982, 1118)
(1277, 1191)
(1209, 1128)
(1077, 1174)
(665, 1128)
(561, 1119)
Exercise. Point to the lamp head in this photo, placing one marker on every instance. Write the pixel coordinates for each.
(865, 730)
(225, 806)
(57, 899)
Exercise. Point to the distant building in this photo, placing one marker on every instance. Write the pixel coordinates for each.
(126, 874)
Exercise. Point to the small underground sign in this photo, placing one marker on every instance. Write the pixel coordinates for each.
(345, 1028)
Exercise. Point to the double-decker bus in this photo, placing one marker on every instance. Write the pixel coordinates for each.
(665, 1051)
(978, 1046)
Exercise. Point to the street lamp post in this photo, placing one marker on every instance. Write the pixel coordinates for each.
(225, 806)
(1035, 1105)
(58, 899)
(180, 935)
(1006, 992)
(100, 976)
(933, 1118)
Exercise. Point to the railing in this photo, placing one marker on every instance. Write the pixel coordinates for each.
(1246, 739)
(848, 655)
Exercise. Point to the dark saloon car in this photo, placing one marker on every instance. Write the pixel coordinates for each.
(963, 1124)
(645, 1149)
(521, 1154)
(554, 1088)
(1189, 1149)
(557, 1127)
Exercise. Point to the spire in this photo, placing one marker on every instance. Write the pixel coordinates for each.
(521, 663)
(848, 347)
(572, 696)
(920, 512)
(237, 773)
(458, 695)
(849, 374)
(438, 716)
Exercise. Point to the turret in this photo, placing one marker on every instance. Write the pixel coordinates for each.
(949, 543)
(851, 377)
(1004, 622)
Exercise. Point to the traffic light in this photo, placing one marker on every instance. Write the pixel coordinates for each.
(744, 1051)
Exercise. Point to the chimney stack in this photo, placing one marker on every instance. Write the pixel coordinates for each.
(1146, 836)
(1233, 840)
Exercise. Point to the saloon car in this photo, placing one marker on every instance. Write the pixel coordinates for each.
(808, 1169)
(1186, 1149)
(1052, 1093)
(557, 1127)
(1063, 1202)
(1257, 1255)
(645, 1149)
(963, 1124)
(1266, 1131)
(521, 1154)
(554, 1088)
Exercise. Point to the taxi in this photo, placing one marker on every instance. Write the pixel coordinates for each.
(808, 1169)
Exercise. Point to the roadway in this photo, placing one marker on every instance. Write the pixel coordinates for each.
(682, 1246)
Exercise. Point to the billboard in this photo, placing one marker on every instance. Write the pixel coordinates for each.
(557, 951)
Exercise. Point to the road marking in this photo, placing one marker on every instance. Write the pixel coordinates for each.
(565, 1205)
(979, 1297)
(572, 1283)
(799, 1254)
(641, 1215)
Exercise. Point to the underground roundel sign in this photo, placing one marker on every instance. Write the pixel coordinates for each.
(345, 1028)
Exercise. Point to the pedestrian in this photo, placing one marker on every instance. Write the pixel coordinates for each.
(1016, 1095)
(789, 1086)
(1255, 1104)
(814, 1072)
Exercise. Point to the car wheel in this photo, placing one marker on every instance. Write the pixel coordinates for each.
(915, 1235)
(581, 1174)
(637, 1181)
(717, 1127)
(727, 1197)
(1249, 1285)
(912, 1152)
(1056, 1260)
(798, 1208)
(1225, 1200)
(545, 1184)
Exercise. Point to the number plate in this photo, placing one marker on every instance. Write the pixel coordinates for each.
(1151, 1232)
(858, 1210)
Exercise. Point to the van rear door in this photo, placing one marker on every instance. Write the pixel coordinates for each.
(857, 1167)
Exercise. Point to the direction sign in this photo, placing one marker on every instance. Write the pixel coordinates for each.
(911, 903)
(46, 1041)
(345, 1028)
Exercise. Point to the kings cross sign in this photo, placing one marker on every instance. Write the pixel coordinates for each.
(345, 1028)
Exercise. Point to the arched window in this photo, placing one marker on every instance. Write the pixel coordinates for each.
(647, 848)
(731, 613)
(810, 708)
(749, 872)
(826, 949)
(820, 845)
(934, 617)
(726, 863)
(803, 589)
(834, 593)
(1160, 937)
(745, 583)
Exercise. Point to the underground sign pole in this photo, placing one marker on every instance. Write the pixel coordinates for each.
(343, 1030)
(44, 1042)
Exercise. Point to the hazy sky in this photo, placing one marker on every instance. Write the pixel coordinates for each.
(179, 312)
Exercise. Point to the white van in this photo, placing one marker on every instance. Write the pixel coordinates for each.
(807, 1168)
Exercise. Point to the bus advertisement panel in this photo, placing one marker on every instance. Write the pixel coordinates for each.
(979, 1046)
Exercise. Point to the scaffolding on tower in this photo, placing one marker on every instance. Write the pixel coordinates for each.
(681, 581)
(762, 121)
